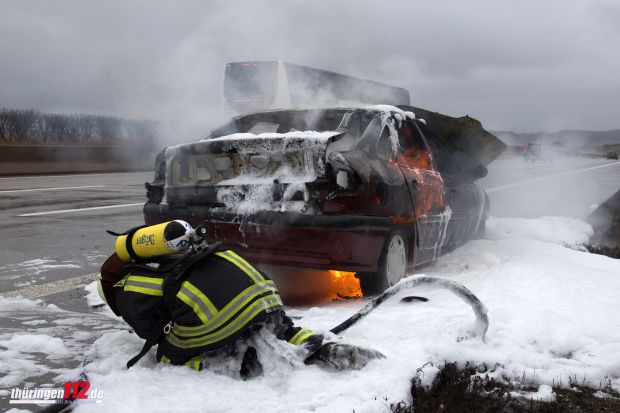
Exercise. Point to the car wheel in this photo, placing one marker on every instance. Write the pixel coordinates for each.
(392, 266)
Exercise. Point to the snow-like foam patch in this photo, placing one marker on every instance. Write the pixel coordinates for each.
(308, 135)
(544, 393)
(36, 267)
(36, 343)
(558, 230)
(553, 318)
(92, 295)
(399, 113)
(41, 340)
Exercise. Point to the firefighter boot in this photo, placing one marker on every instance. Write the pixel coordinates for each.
(250, 366)
(342, 356)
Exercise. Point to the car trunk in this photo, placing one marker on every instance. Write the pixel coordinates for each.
(245, 173)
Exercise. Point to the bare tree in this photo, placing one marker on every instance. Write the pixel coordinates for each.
(30, 126)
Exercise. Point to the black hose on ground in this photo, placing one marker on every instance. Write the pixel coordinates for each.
(480, 310)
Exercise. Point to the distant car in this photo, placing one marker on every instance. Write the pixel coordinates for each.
(534, 152)
(374, 191)
(612, 155)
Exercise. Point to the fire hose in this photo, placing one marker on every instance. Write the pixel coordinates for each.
(480, 310)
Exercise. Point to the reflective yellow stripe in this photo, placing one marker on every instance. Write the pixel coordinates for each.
(143, 285)
(194, 363)
(242, 265)
(142, 290)
(304, 338)
(226, 313)
(211, 308)
(149, 280)
(261, 305)
(248, 315)
(301, 336)
(246, 264)
(193, 297)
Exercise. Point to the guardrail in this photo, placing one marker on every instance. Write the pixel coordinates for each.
(40, 159)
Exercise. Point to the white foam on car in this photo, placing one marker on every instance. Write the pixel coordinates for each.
(306, 135)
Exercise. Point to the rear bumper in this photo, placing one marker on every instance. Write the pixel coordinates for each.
(334, 242)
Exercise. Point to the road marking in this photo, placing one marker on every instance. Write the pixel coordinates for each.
(42, 290)
(10, 191)
(70, 175)
(66, 211)
(545, 178)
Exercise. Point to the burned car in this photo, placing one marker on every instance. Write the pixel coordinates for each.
(375, 191)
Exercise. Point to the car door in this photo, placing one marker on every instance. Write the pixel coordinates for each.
(426, 188)
(463, 197)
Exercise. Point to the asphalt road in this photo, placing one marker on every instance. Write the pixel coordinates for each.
(53, 227)
(571, 187)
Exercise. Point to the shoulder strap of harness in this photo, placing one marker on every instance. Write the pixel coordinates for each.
(156, 335)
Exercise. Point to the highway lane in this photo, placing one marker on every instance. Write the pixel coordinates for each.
(565, 187)
(49, 234)
(42, 248)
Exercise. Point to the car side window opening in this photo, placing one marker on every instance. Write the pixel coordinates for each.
(353, 126)
(445, 162)
(413, 150)
(384, 146)
(264, 127)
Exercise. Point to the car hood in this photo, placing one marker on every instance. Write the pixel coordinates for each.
(464, 135)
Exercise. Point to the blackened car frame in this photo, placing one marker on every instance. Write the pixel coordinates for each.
(373, 190)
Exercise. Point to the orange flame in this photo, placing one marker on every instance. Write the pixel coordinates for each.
(344, 284)
(305, 286)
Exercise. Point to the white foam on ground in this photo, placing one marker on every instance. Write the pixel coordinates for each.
(553, 317)
(36, 343)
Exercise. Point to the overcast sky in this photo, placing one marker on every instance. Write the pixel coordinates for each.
(524, 65)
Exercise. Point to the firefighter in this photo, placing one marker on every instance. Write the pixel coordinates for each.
(207, 305)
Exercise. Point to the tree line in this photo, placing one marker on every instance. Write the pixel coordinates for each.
(32, 126)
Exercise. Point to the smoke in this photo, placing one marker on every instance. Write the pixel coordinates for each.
(519, 66)
(560, 183)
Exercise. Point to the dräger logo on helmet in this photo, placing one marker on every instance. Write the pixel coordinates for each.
(146, 239)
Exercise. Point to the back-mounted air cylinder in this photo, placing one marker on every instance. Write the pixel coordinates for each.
(155, 240)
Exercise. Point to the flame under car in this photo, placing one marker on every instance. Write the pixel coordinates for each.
(373, 191)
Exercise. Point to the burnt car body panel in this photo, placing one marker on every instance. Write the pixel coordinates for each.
(325, 199)
(465, 136)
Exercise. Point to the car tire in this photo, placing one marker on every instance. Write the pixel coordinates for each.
(392, 266)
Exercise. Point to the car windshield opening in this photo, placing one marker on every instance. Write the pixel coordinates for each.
(292, 121)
